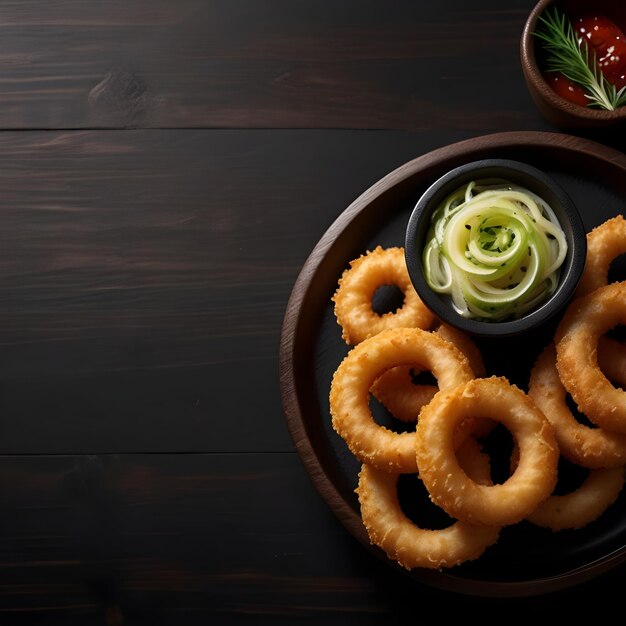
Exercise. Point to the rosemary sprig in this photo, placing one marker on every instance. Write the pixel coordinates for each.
(572, 59)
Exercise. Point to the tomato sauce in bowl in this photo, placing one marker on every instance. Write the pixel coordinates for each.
(601, 26)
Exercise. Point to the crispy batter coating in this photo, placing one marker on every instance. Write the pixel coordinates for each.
(466, 345)
(449, 486)
(357, 285)
(410, 545)
(585, 321)
(349, 393)
(580, 444)
(396, 391)
(583, 505)
(604, 244)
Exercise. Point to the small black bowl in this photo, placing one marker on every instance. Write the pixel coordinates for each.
(517, 173)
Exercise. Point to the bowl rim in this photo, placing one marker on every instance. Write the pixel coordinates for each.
(574, 262)
(534, 75)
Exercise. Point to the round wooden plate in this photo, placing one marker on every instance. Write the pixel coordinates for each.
(526, 560)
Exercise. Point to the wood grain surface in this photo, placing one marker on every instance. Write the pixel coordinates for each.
(166, 168)
(250, 64)
(182, 539)
(145, 276)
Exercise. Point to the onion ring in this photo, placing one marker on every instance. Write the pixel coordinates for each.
(404, 400)
(585, 320)
(583, 505)
(466, 345)
(604, 244)
(352, 380)
(357, 285)
(580, 444)
(399, 395)
(396, 391)
(388, 527)
(449, 486)
(612, 359)
(477, 427)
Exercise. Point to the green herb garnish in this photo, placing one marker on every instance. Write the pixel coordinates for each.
(572, 59)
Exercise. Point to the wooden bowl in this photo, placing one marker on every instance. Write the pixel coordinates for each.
(554, 108)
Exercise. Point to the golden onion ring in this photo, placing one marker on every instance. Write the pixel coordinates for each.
(604, 244)
(583, 505)
(356, 288)
(411, 546)
(585, 321)
(396, 391)
(580, 444)
(449, 486)
(349, 392)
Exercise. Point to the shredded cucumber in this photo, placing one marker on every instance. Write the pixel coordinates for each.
(496, 249)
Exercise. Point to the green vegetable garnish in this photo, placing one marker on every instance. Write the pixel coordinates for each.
(496, 249)
(571, 57)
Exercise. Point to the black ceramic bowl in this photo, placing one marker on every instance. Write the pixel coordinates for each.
(517, 173)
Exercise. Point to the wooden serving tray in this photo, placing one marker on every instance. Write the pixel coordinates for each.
(526, 560)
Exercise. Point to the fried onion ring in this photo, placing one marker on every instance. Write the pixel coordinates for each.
(411, 546)
(396, 391)
(357, 285)
(449, 486)
(612, 359)
(465, 344)
(584, 322)
(352, 380)
(583, 505)
(580, 444)
(604, 244)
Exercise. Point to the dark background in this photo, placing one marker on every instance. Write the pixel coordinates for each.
(165, 170)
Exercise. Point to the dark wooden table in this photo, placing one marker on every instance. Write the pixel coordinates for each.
(165, 170)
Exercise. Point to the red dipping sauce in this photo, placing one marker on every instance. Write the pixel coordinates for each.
(566, 88)
(604, 39)
(609, 43)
